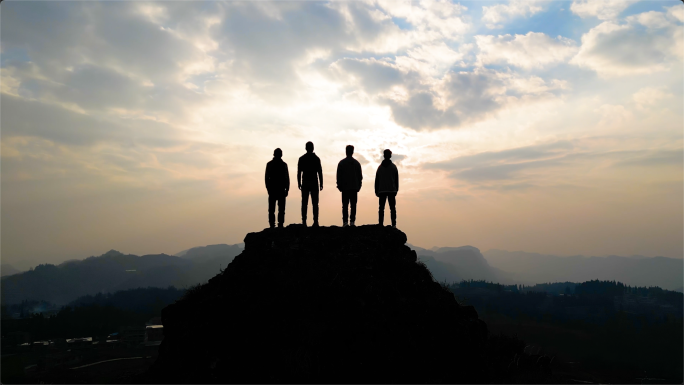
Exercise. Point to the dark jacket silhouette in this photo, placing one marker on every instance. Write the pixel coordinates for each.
(309, 173)
(386, 188)
(386, 178)
(349, 179)
(278, 185)
(277, 177)
(349, 175)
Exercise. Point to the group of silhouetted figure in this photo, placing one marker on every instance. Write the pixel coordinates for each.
(310, 182)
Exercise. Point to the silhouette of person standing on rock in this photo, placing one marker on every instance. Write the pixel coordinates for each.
(278, 186)
(386, 187)
(308, 174)
(349, 177)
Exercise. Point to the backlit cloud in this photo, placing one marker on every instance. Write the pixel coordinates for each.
(533, 50)
(646, 43)
(146, 126)
(603, 9)
(495, 15)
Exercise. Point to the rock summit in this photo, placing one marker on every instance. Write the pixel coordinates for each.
(323, 305)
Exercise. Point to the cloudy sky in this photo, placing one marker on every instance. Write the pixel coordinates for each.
(544, 126)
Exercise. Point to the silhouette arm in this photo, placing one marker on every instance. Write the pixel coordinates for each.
(376, 181)
(320, 173)
(360, 174)
(287, 180)
(299, 174)
(266, 177)
(337, 176)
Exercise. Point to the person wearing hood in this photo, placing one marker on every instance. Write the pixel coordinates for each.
(386, 187)
(278, 186)
(309, 173)
(349, 178)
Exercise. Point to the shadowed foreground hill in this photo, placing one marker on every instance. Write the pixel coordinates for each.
(322, 305)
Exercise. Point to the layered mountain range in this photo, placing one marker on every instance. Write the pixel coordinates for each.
(114, 271)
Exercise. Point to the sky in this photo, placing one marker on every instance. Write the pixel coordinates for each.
(544, 126)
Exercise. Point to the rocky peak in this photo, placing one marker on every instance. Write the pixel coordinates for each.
(323, 305)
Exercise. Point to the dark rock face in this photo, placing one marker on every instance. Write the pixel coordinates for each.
(324, 305)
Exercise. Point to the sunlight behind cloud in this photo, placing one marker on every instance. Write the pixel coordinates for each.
(161, 114)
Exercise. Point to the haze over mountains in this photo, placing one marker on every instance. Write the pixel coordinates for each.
(636, 270)
(455, 263)
(7, 269)
(114, 271)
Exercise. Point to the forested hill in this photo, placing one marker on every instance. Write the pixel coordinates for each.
(110, 272)
(614, 331)
(141, 300)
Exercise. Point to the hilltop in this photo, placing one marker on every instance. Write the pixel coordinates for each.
(323, 305)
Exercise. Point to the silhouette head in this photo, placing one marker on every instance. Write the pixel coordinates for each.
(350, 150)
(387, 153)
(309, 147)
(278, 153)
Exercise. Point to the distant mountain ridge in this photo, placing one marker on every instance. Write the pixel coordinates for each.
(453, 264)
(205, 253)
(115, 271)
(530, 268)
(7, 269)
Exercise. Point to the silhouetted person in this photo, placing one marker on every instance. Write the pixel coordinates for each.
(349, 179)
(386, 187)
(278, 186)
(308, 174)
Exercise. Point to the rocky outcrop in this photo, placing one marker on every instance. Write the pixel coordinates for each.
(324, 305)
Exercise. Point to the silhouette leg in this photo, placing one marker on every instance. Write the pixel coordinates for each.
(393, 208)
(281, 211)
(271, 210)
(381, 209)
(345, 209)
(305, 201)
(314, 205)
(352, 200)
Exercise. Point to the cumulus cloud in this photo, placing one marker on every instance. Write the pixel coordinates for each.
(139, 99)
(650, 96)
(432, 59)
(676, 12)
(420, 112)
(462, 97)
(431, 19)
(614, 115)
(650, 19)
(495, 15)
(371, 74)
(458, 97)
(602, 9)
(646, 43)
(533, 50)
